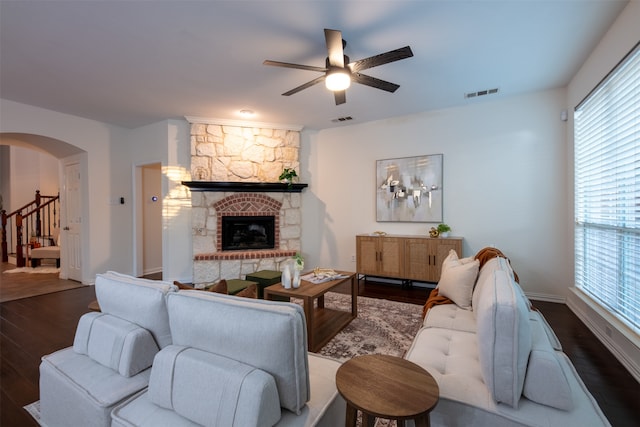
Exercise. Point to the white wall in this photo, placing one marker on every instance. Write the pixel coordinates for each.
(619, 40)
(32, 170)
(167, 143)
(99, 233)
(504, 184)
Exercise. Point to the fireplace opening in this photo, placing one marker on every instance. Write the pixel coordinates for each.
(241, 233)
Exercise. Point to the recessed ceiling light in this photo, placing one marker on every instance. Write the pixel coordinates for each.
(247, 113)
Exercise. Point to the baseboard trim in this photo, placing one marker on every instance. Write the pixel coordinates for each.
(546, 297)
(592, 316)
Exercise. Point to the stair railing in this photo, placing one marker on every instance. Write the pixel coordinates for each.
(29, 226)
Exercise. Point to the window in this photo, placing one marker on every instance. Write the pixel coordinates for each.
(607, 192)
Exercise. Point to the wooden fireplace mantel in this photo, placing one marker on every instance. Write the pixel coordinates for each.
(263, 187)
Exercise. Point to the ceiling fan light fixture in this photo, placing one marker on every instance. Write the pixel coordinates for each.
(337, 80)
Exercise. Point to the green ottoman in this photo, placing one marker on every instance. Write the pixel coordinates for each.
(266, 278)
(236, 285)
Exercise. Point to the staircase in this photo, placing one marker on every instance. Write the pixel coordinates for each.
(32, 225)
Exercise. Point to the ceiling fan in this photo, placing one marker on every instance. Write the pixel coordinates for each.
(339, 72)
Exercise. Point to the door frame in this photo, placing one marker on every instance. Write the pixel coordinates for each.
(138, 215)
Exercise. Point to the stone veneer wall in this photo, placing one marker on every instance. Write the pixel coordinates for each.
(241, 154)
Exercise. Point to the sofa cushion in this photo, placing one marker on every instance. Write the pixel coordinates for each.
(140, 301)
(115, 343)
(450, 316)
(213, 390)
(268, 335)
(504, 338)
(457, 281)
(101, 386)
(485, 275)
(451, 357)
(551, 335)
(545, 381)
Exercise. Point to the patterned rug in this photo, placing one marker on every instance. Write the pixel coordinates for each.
(382, 327)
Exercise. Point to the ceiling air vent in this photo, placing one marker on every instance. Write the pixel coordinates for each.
(481, 93)
(342, 119)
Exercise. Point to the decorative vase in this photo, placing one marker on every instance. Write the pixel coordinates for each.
(295, 282)
(444, 234)
(286, 276)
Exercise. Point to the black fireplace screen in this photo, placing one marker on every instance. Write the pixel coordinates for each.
(248, 232)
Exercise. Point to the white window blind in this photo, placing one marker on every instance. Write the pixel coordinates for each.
(607, 192)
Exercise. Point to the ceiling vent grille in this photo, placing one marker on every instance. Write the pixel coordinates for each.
(481, 93)
(342, 119)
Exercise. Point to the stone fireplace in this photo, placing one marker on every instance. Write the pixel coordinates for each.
(235, 173)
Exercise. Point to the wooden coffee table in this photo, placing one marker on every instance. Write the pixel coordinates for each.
(387, 387)
(322, 323)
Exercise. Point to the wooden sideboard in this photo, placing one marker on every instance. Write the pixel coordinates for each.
(404, 257)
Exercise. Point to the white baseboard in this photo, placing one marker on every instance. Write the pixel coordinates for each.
(153, 271)
(545, 297)
(615, 336)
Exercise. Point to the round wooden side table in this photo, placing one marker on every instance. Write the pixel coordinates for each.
(386, 387)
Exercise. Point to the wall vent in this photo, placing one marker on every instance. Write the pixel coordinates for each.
(481, 93)
(342, 119)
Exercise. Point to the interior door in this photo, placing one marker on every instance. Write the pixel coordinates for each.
(72, 227)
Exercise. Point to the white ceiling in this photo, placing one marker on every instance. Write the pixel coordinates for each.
(132, 63)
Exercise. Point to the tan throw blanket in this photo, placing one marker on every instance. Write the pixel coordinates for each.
(483, 255)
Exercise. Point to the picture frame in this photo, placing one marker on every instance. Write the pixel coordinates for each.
(409, 189)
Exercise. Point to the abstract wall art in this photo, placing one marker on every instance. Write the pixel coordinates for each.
(409, 189)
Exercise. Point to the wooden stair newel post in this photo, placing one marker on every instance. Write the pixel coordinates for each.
(38, 227)
(20, 261)
(5, 253)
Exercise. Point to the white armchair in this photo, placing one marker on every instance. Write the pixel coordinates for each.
(111, 355)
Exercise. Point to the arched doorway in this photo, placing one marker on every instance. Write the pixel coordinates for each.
(72, 187)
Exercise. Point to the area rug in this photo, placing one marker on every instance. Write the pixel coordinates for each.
(31, 270)
(382, 327)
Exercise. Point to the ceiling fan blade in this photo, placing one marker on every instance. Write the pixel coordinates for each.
(340, 96)
(374, 82)
(296, 66)
(334, 47)
(304, 86)
(383, 58)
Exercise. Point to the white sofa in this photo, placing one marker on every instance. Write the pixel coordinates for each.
(224, 361)
(495, 358)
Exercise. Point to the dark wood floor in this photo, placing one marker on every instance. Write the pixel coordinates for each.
(35, 326)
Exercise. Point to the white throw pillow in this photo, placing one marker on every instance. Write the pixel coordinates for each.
(457, 281)
(452, 260)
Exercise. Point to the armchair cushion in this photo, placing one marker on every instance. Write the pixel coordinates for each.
(140, 301)
(236, 394)
(115, 343)
(236, 328)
